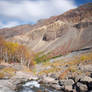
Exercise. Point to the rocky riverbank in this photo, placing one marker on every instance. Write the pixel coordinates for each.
(80, 83)
(11, 84)
(64, 76)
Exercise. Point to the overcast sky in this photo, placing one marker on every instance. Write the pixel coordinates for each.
(18, 12)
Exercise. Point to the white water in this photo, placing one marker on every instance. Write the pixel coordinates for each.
(32, 84)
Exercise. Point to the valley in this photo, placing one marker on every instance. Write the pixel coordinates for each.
(53, 55)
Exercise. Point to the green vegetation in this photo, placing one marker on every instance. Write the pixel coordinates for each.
(44, 58)
(56, 56)
(70, 65)
(41, 59)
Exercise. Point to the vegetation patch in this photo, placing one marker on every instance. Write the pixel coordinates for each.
(8, 70)
(44, 58)
(15, 53)
(2, 75)
(67, 65)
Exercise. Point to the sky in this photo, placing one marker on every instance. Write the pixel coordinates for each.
(19, 12)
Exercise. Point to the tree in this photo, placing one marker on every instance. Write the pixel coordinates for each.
(13, 52)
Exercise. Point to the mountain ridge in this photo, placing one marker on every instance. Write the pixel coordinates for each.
(59, 34)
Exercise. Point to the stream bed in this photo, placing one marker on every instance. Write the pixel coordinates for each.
(34, 86)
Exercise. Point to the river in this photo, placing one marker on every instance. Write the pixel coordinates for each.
(34, 86)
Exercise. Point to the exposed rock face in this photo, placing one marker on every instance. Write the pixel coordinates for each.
(59, 34)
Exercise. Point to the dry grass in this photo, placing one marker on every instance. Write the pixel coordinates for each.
(9, 70)
(71, 65)
(2, 75)
(26, 69)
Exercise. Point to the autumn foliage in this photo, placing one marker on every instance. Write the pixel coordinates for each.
(15, 53)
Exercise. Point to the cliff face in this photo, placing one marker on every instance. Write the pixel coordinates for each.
(59, 34)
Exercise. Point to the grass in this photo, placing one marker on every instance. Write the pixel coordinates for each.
(71, 64)
(41, 59)
(56, 56)
(8, 70)
(44, 58)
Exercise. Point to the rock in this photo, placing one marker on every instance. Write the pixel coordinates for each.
(86, 79)
(5, 86)
(66, 82)
(78, 77)
(20, 77)
(86, 68)
(89, 85)
(90, 91)
(53, 76)
(81, 87)
(68, 88)
(49, 80)
(56, 86)
(5, 89)
(25, 76)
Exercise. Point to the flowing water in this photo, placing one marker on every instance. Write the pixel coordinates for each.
(34, 86)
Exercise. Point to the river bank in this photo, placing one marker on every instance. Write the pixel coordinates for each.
(78, 84)
(51, 83)
(67, 75)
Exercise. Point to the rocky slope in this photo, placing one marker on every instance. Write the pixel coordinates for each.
(71, 74)
(58, 34)
(10, 32)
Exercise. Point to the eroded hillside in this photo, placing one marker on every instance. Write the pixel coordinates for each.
(59, 34)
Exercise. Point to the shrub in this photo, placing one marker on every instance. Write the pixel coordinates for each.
(2, 75)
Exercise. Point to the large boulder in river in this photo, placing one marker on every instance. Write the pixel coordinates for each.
(82, 87)
(68, 88)
(66, 82)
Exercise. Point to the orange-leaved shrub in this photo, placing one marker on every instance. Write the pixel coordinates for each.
(15, 53)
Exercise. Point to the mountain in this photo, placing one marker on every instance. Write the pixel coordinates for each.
(56, 35)
(10, 32)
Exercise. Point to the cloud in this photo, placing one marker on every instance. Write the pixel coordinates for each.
(8, 24)
(33, 10)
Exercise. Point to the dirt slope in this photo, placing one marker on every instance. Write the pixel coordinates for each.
(57, 35)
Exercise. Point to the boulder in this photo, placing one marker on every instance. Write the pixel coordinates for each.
(81, 87)
(86, 79)
(68, 88)
(56, 86)
(86, 68)
(49, 80)
(89, 85)
(53, 76)
(5, 89)
(5, 86)
(66, 82)
(78, 77)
